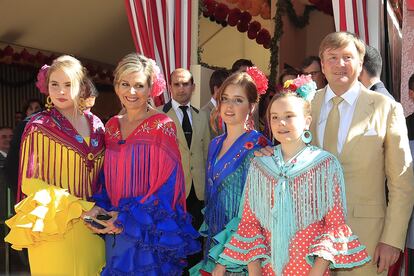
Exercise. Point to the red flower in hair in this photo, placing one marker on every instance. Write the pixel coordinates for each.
(249, 145)
(259, 79)
(292, 87)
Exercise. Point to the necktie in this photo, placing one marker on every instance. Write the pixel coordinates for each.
(188, 131)
(330, 139)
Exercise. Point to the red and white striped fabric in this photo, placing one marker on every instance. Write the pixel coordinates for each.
(161, 30)
(352, 16)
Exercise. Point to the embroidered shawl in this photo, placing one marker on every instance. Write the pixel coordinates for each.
(142, 162)
(288, 197)
(54, 152)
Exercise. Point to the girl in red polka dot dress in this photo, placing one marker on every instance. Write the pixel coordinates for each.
(294, 209)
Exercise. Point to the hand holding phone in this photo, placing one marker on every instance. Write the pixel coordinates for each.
(97, 223)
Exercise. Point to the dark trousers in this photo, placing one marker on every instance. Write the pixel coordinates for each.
(194, 207)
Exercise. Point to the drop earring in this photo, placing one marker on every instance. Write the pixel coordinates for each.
(306, 137)
(49, 103)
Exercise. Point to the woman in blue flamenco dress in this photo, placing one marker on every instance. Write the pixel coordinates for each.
(150, 232)
(228, 161)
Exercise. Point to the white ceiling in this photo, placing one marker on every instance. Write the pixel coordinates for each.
(91, 29)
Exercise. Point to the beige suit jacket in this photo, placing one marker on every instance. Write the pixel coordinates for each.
(376, 148)
(208, 108)
(193, 159)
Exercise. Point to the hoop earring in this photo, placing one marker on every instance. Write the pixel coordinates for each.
(306, 137)
(49, 104)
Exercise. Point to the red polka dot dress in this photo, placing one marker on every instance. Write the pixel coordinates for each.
(288, 226)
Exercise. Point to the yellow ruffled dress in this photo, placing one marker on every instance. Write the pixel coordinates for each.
(47, 221)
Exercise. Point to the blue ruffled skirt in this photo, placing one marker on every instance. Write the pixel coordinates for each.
(155, 239)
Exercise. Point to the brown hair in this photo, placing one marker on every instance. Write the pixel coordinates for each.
(284, 94)
(338, 40)
(241, 79)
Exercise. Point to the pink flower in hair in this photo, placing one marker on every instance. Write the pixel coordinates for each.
(158, 80)
(41, 79)
(259, 79)
(302, 80)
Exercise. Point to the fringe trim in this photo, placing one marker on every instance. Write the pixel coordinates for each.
(57, 164)
(286, 202)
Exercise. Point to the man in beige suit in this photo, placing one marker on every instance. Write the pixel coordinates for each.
(372, 146)
(193, 136)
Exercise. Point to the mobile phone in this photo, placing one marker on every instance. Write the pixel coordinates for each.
(103, 217)
(94, 223)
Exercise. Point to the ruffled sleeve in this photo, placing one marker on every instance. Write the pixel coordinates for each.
(45, 215)
(337, 244)
(247, 244)
(47, 211)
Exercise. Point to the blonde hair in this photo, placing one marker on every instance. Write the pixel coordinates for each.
(133, 63)
(74, 70)
(338, 40)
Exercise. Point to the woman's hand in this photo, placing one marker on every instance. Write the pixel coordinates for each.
(319, 268)
(219, 270)
(266, 151)
(111, 228)
(96, 210)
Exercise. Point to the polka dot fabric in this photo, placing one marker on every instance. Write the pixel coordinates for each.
(329, 238)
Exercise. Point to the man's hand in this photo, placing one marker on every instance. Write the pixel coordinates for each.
(266, 151)
(385, 256)
(219, 270)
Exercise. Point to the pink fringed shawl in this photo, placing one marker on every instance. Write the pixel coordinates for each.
(40, 140)
(140, 164)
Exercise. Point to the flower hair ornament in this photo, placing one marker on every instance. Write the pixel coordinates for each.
(303, 86)
(158, 80)
(41, 79)
(259, 79)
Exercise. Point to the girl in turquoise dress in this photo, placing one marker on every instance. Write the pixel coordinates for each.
(227, 165)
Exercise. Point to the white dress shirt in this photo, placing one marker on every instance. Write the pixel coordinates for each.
(214, 102)
(3, 153)
(346, 113)
(179, 112)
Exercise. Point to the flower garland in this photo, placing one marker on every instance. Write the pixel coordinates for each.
(240, 17)
(8, 55)
(235, 17)
(285, 7)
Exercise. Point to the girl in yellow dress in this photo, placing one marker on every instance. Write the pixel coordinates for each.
(61, 156)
